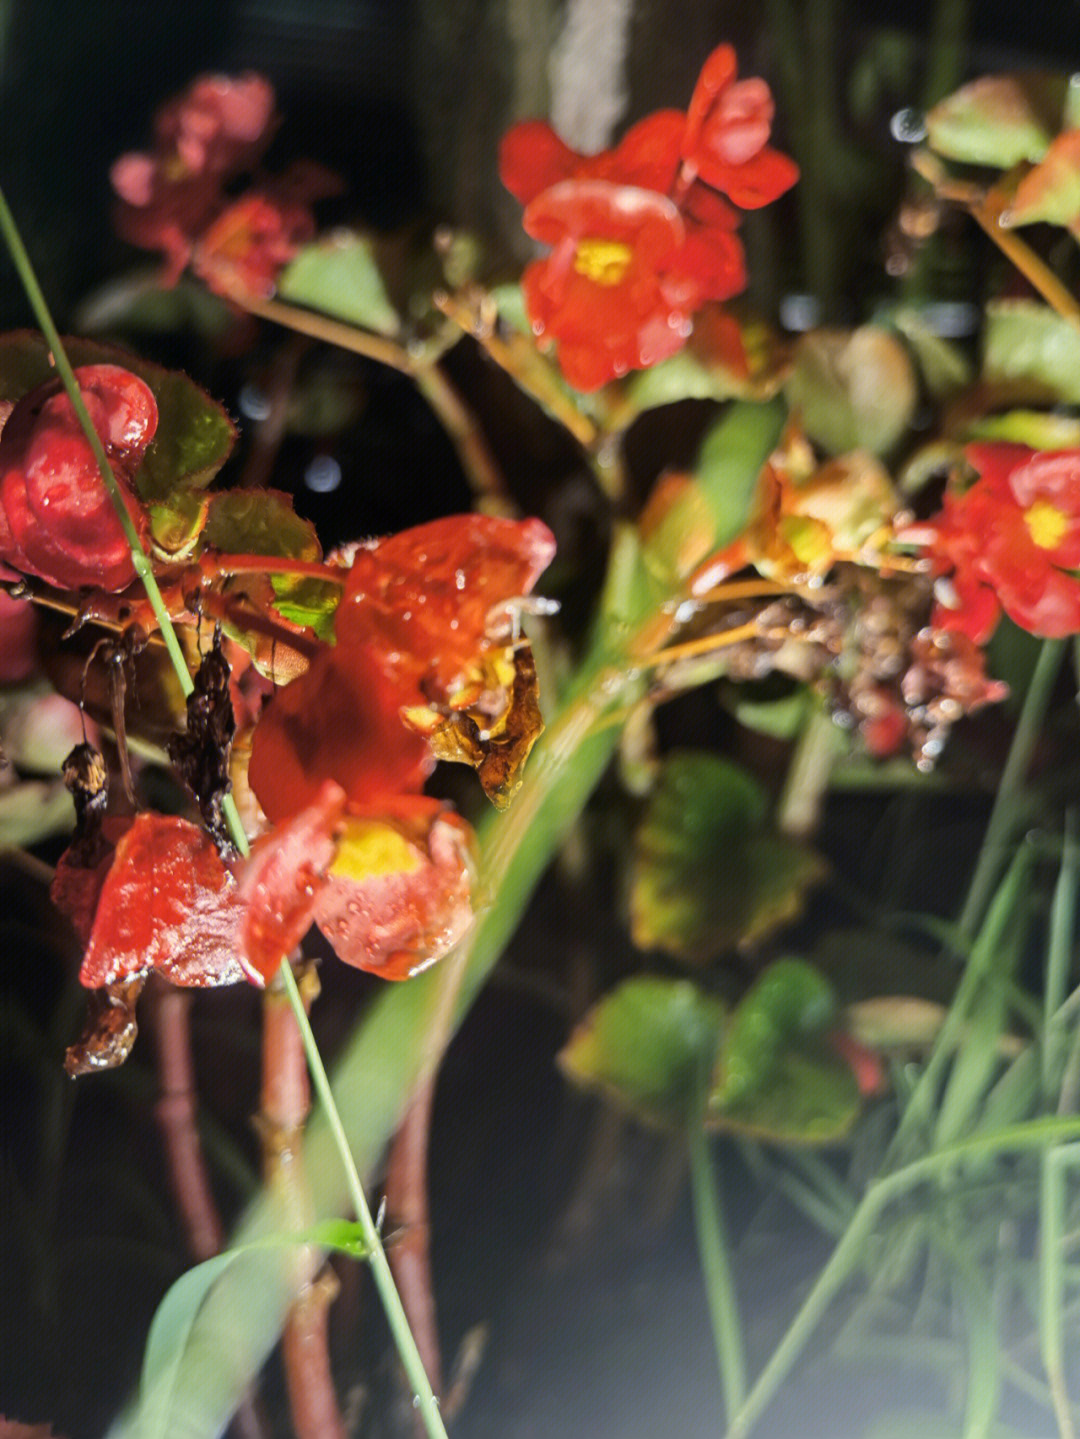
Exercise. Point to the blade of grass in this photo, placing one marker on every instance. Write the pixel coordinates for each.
(1052, 1200)
(1036, 1134)
(988, 865)
(716, 1270)
(1059, 961)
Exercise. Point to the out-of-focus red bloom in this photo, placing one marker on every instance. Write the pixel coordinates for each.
(727, 130)
(57, 520)
(218, 127)
(603, 294)
(627, 273)
(1008, 543)
(250, 243)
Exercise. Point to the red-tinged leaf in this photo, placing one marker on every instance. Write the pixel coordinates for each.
(398, 895)
(280, 883)
(81, 872)
(340, 721)
(438, 595)
(168, 903)
(1050, 192)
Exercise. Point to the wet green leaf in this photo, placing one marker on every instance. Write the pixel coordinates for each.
(194, 436)
(998, 120)
(308, 602)
(647, 1046)
(707, 874)
(1025, 341)
(854, 389)
(340, 277)
(945, 368)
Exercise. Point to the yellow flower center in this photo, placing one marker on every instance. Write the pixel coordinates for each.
(1046, 524)
(605, 262)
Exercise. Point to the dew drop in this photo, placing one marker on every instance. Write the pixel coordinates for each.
(323, 475)
(908, 126)
(253, 403)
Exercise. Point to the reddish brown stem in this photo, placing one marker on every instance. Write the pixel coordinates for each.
(407, 1206)
(175, 1112)
(212, 565)
(286, 1100)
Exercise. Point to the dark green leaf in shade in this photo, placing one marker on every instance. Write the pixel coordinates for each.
(647, 1046)
(1026, 344)
(194, 436)
(259, 522)
(707, 874)
(340, 277)
(810, 1097)
(998, 120)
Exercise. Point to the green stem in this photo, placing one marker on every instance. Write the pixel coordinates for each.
(988, 865)
(716, 1269)
(399, 1326)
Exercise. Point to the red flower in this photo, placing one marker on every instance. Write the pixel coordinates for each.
(1008, 543)
(202, 138)
(169, 902)
(532, 158)
(250, 243)
(727, 127)
(397, 897)
(603, 294)
(437, 597)
(57, 520)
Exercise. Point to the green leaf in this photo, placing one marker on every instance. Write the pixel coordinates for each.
(1026, 342)
(707, 875)
(161, 1402)
(810, 1097)
(789, 1003)
(647, 1046)
(731, 459)
(945, 368)
(259, 522)
(308, 602)
(776, 1077)
(854, 389)
(339, 276)
(1051, 192)
(1034, 428)
(194, 436)
(998, 120)
(177, 523)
